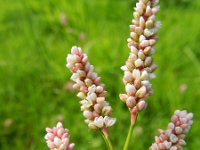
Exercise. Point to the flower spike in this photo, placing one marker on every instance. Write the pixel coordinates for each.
(139, 67)
(173, 137)
(96, 110)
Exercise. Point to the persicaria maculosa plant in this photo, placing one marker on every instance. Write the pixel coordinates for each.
(138, 70)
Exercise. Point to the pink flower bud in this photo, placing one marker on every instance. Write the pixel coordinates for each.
(141, 105)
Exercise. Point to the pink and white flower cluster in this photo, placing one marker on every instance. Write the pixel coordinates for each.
(96, 110)
(173, 137)
(139, 66)
(57, 138)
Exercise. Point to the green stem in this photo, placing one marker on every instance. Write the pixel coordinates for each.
(130, 132)
(108, 143)
(134, 114)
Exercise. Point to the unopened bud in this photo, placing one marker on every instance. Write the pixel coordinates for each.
(123, 97)
(130, 102)
(138, 30)
(130, 89)
(81, 95)
(139, 63)
(148, 61)
(144, 43)
(141, 105)
(141, 92)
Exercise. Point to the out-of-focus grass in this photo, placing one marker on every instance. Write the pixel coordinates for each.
(35, 38)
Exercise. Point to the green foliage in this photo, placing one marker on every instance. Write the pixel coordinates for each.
(35, 38)
(178, 3)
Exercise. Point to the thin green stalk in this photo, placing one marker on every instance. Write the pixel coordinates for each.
(108, 143)
(130, 132)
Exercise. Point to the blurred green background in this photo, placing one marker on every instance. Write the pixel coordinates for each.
(35, 92)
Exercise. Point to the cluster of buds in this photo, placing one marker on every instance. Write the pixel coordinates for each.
(139, 66)
(57, 138)
(173, 137)
(96, 110)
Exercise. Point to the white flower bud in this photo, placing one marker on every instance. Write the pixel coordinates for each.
(88, 82)
(136, 15)
(106, 110)
(75, 50)
(49, 136)
(128, 76)
(92, 89)
(99, 89)
(136, 74)
(152, 17)
(171, 125)
(142, 22)
(134, 50)
(148, 61)
(57, 141)
(148, 11)
(182, 142)
(134, 36)
(155, 9)
(91, 97)
(130, 89)
(178, 130)
(87, 114)
(60, 132)
(147, 50)
(123, 97)
(149, 24)
(81, 95)
(75, 77)
(144, 75)
(91, 125)
(145, 43)
(173, 138)
(141, 55)
(142, 38)
(71, 59)
(167, 144)
(139, 10)
(124, 68)
(152, 42)
(100, 100)
(148, 32)
(173, 148)
(189, 116)
(141, 92)
(138, 30)
(109, 121)
(139, 63)
(99, 122)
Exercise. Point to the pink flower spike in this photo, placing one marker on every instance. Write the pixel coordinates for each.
(57, 138)
(173, 137)
(96, 110)
(139, 67)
